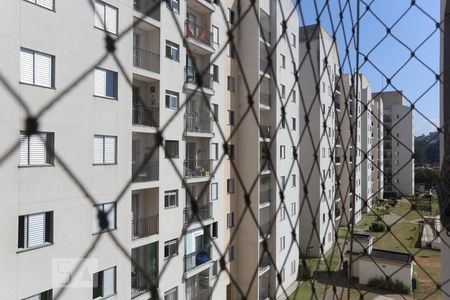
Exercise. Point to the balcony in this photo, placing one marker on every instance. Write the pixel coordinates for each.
(264, 67)
(265, 229)
(337, 102)
(264, 262)
(337, 212)
(144, 227)
(148, 172)
(195, 287)
(201, 6)
(197, 168)
(198, 123)
(265, 287)
(203, 84)
(204, 212)
(264, 132)
(197, 258)
(146, 257)
(149, 8)
(145, 59)
(146, 116)
(265, 165)
(265, 34)
(199, 38)
(264, 99)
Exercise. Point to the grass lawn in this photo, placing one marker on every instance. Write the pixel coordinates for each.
(304, 292)
(332, 260)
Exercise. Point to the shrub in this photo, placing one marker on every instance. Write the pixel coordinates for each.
(392, 202)
(305, 272)
(389, 284)
(377, 226)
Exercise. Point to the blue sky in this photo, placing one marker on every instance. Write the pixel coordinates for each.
(414, 79)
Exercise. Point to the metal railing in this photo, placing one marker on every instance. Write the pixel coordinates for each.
(204, 212)
(190, 76)
(265, 164)
(140, 284)
(264, 98)
(264, 196)
(264, 66)
(264, 132)
(197, 258)
(265, 228)
(149, 8)
(198, 122)
(149, 172)
(145, 59)
(264, 262)
(198, 33)
(144, 227)
(265, 34)
(147, 117)
(197, 167)
(337, 102)
(198, 294)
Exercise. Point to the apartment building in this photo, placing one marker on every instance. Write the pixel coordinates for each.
(398, 145)
(371, 146)
(266, 158)
(320, 105)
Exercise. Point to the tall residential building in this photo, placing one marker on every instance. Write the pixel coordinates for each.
(266, 161)
(398, 145)
(371, 146)
(107, 131)
(319, 77)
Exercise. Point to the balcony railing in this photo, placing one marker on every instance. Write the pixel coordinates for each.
(337, 159)
(265, 34)
(264, 196)
(337, 103)
(204, 212)
(264, 262)
(337, 212)
(265, 164)
(140, 284)
(148, 7)
(197, 258)
(148, 116)
(190, 76)
(265, 228)
(198, 33)
(198, 293)
(149, 172)
(198, 122)
(197, 167)
(264, 66)
(146, 60)
(265, 132)
(144, 227)
(264, 98)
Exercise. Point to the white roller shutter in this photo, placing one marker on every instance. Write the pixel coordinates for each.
(98, 149)
(110, 149)
(109, 276)
(23, 148)
(37, 149)
(100, 82)
(36, 229)
(111, 19)
(111, 215)
(43, 69)
(99, 15)
(26, 66)
(95, 225)
(35, 297)
(45, 3)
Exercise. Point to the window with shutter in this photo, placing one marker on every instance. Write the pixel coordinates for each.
(110, 209)
(105, 17)
(171, 294)
(214, 191)
(171, 148)
(36, 149)
(36, 68)
(104, 283)
(35, 230)
(172, 99)
(44, 3)
(47, 295)
(105, 82)
(105, 150)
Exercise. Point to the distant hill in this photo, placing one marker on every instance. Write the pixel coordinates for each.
(426, 148)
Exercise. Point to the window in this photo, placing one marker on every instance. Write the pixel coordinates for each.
(230, 117)
(294, 41)
(215, 73)
(105, 149)
(294, 152)
(230, 186)
(105, 17)
(215, 32)
(215, 111)
(104, 283)
(282, 212)
(214, 151)
(230, 253)
(171, 294)
(47, 295)
(230, 220)
(214, 191)
(37, 68)
(230, 151)
(283, 275)
(294, 96)
(110, 210)
(323, 152)
(283, 91)
(174, 5)
(294, 180)
(282, 243)
(231, 84)
(282, 152)
(44, 3)
(283, 122)
(293, 209)
(172, 99)
(323, 218)
(35, 230)
(170, 248)
(230, 16)
(231, 50)
(293, 266)
(36, 149)
(283, 61)
(294, 124)
(171, 148)
(105, 83)
(283, 182)
(170, 199)
(172, 51)
(214, 230)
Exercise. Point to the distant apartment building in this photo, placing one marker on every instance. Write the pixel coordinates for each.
(371, 146)
(398, 145)
(107, 131)
(319, 110)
